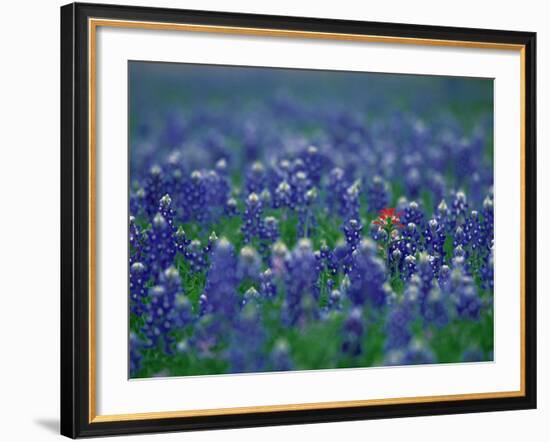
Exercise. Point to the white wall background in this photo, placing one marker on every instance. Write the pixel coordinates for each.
(29, 220)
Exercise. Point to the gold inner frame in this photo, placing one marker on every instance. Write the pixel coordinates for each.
(93, 24)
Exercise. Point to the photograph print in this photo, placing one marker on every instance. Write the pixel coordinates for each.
(292, 219)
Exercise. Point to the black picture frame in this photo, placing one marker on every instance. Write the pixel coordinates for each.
(75, 220)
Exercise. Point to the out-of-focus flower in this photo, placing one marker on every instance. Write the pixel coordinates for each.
(167, 310)
(353, 333)
(300, 280)
(378, 194)
(367, 276)
(221, 281)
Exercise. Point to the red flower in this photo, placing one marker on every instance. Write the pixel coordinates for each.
(388, 218)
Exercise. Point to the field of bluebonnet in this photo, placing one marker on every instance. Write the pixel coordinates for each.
(295, 220)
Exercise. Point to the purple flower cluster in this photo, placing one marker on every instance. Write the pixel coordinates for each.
(342, 238)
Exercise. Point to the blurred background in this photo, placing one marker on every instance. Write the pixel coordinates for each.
(401, 123)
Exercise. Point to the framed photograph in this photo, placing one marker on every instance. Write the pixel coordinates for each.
(278, 220)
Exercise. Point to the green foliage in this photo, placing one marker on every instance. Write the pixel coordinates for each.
(318, 346)
(450, 341)
(428, 202)
(328, 230)
(397, 284)
(448, 248)
(192, 282)
(288, 225)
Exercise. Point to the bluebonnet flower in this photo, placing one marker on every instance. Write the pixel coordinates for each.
(409, 266)
(401, 205)
(353, 333)
(269, 229)
(460, 239)
(283, 196)
(203, 305)
(444, 218)
(256, 178)
(138, 202)
(412, 294)
(416, 353)
(161, 248)
(280, 358)
(172, 173)
(165, 209)
(436, 184)
(436, 307)
(174, 130)
(306, 216)
(378, 194)
(426, 273)
(279, 257)
(352, 231)
(367, 276)
(216, 191)
(336, 188)
(413, 182)
(350, 209)
(252, 217)
(209, 334)
(221, 167)
(459, 208)
(464, 157)
(249, 265)
(230, 208)
(328, 259)
(154, 189)
(467, 300)
(444, 276)
(251, 295)
(245, 349)
(194, 197)
(195, 256)
(398, 326)
(280, 172)
(138, 242)
(342, 256)
(410, 239)
(300, 280)
(167, 310)
(377, 233)
(212, 239)
(474, 235)
(413, 214)
(335, 300)
(459, 252)
(181, 241)
(139, 277)
(300, 184)
(265, 197)
(222, 280)
(298, 166)
(314, 163)
(395, 259)
(268, 289)
(463, 292)
(434, 237)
